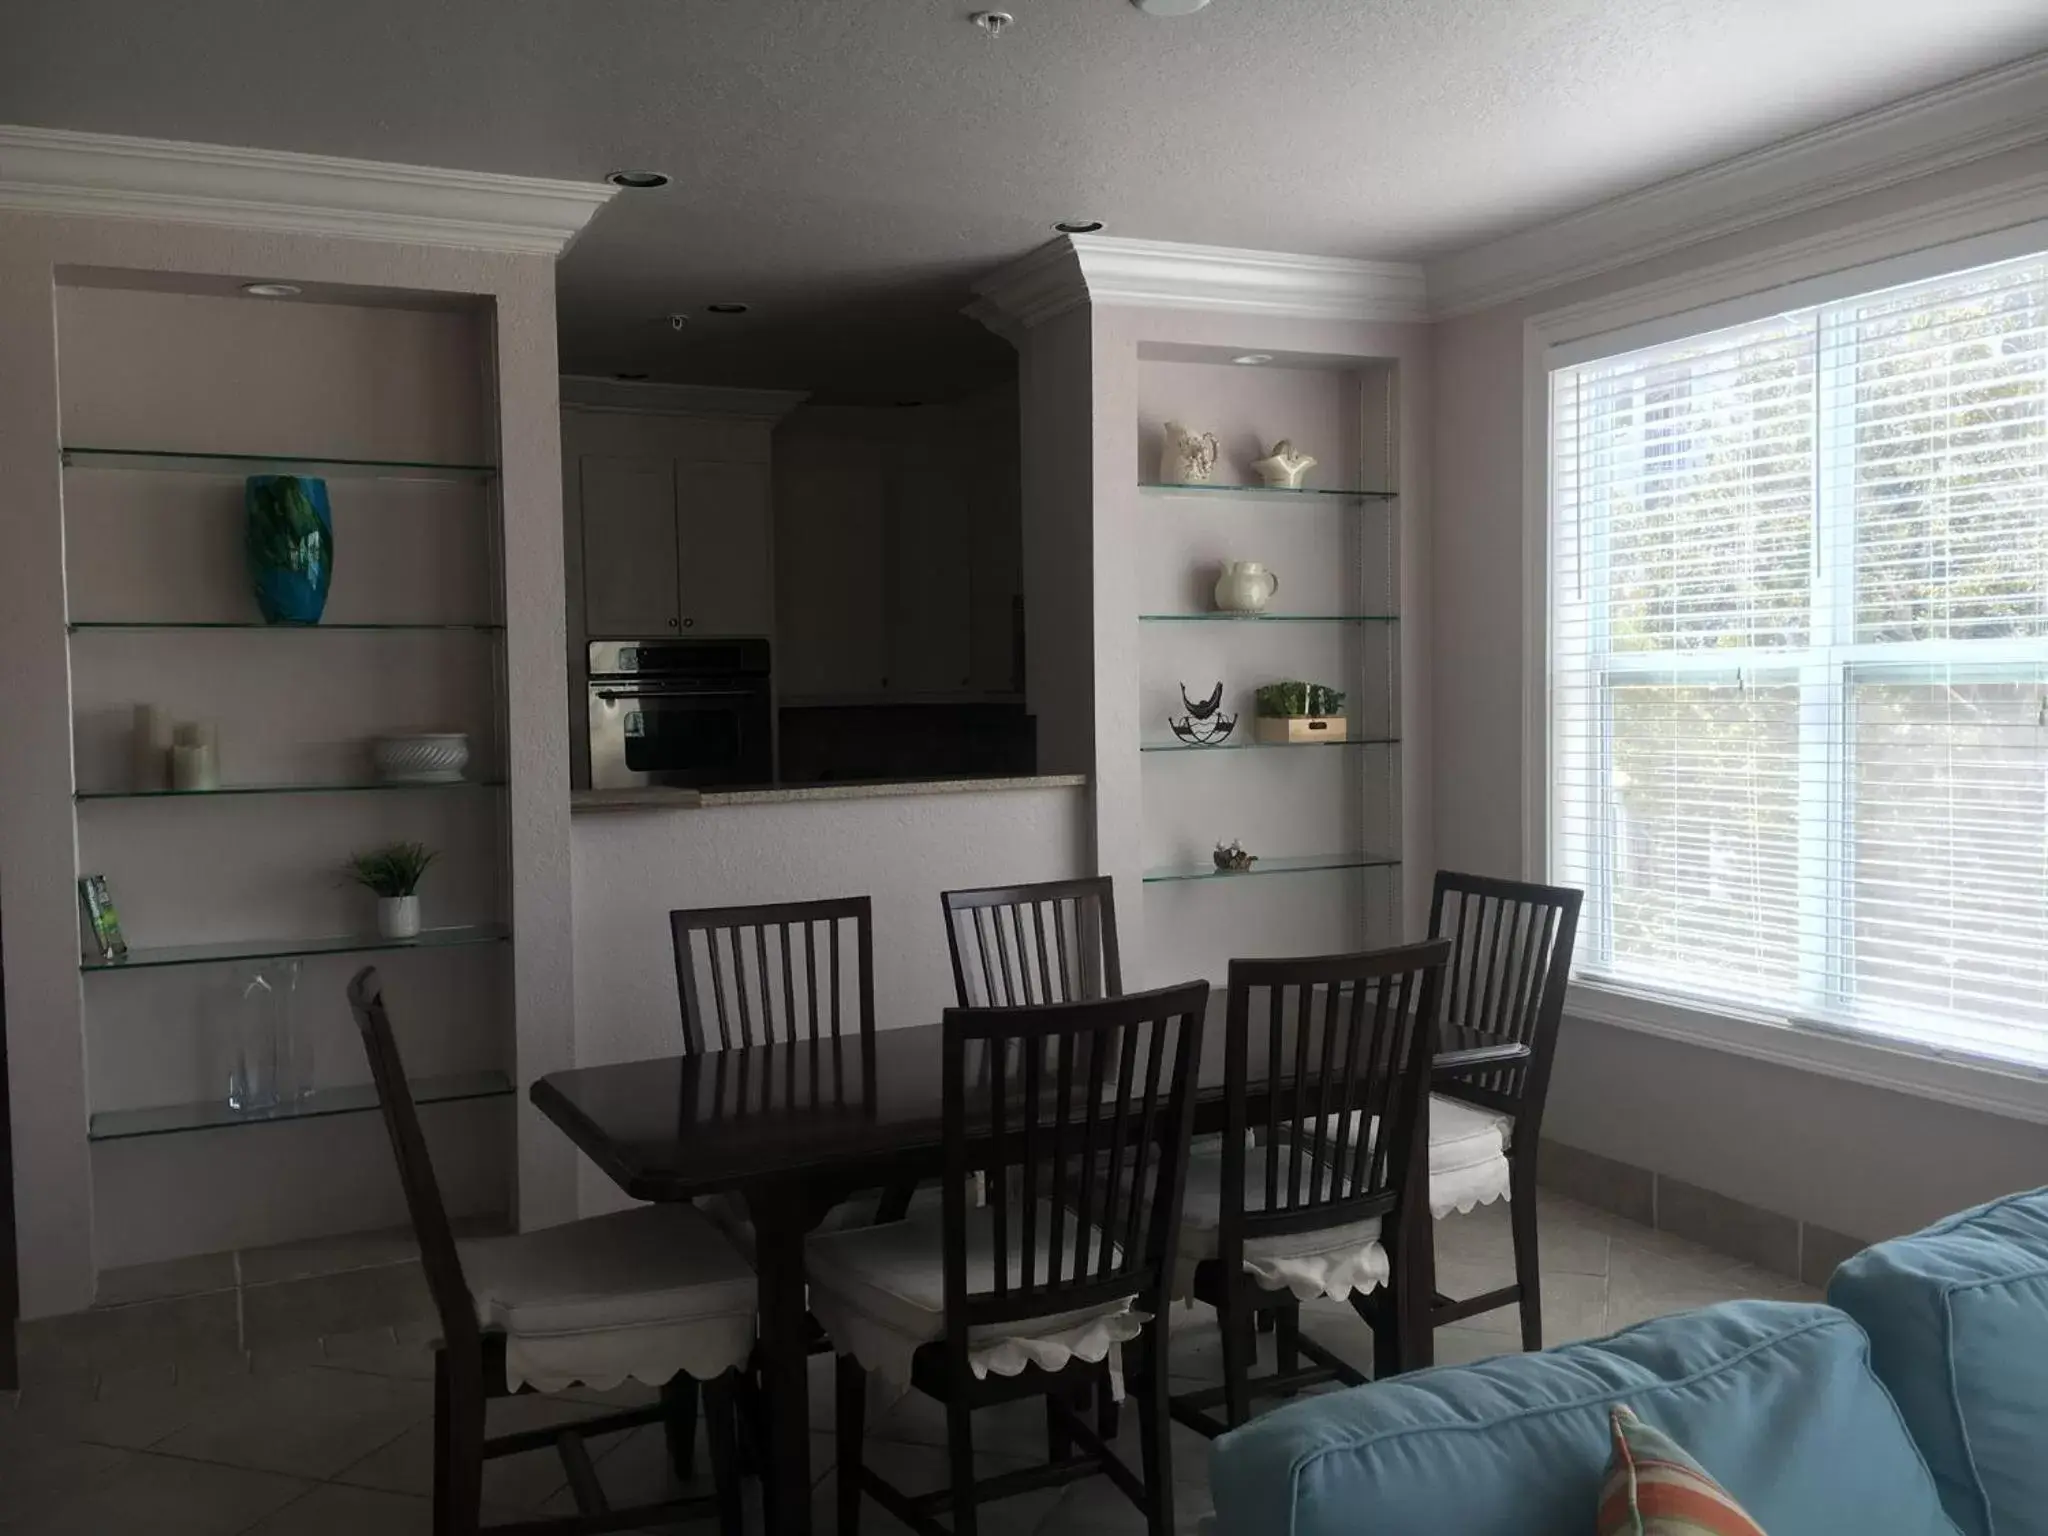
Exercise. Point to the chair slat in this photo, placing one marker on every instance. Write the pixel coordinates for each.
(1001, 958)
(739, 937)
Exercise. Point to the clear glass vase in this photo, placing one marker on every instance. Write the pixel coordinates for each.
(268, 1068)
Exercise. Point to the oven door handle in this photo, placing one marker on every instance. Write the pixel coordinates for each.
(613, 695)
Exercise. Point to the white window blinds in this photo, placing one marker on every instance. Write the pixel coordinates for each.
(1799, 664)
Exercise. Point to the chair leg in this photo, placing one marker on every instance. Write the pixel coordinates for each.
(1286, 1340)
(679, 1425)
(1155, 1428)
(1528, 1268)
(960, 1443)
(458, 1452)
(851, 1410)
(1239, 1349)
(721, 1428)
(1059, 1442)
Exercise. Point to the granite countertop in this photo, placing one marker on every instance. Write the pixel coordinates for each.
(691, 799)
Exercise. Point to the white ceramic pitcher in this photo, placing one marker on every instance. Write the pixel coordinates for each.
(1245, 587)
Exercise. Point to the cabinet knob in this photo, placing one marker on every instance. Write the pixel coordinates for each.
(671, 623)
(687, 623)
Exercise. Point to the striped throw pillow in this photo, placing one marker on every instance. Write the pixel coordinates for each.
(1653, 1488)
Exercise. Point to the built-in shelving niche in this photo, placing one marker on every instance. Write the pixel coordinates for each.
(1325, 820)
(169, 400)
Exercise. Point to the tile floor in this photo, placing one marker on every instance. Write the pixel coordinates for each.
(331, 1436)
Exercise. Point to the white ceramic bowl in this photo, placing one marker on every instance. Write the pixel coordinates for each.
(425, 759)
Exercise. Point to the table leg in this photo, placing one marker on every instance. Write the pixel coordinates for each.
(781, 1219)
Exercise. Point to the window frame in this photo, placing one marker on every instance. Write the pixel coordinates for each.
(1808, 274)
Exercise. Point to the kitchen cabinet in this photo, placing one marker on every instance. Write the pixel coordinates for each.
(831, 569)
(898, 552)
(629, 546)
(724, 550)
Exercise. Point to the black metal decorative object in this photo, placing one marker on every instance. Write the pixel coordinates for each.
(1204, 724)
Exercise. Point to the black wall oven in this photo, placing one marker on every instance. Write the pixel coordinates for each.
(681, 714)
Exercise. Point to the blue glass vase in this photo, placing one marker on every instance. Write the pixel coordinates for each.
(288, 536)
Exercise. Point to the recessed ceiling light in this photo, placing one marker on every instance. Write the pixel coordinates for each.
(272, 290)
(725, 309)
(637, 181)
(1169, 7)
(1253, 359)
(993, 22)
(1079, 226)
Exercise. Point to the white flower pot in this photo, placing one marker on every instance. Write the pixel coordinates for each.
(398, 917)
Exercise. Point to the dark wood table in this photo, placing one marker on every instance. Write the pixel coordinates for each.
(794, 1129)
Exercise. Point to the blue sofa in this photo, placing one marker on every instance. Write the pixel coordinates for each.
(1915, 1402)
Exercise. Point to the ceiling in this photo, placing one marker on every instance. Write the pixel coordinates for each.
(847, 167)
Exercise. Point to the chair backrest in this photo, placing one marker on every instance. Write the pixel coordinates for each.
(445, 1283)
(1510, 959)
(786, 971)
(1080, 1113)
(1015, 945)
(1330, 1058)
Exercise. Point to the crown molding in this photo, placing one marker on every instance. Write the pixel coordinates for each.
(1101, 270)
(586, 392)
(1988, 114)
(44, 170)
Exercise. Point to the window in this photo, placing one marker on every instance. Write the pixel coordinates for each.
(1799, 665)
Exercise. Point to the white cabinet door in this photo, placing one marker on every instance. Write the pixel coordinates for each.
(831, 553)
(724, 570)
(629, 546)
(930, 623)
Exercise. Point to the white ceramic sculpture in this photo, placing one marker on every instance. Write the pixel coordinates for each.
(1283, 467)
(1186, 458)
(1245, 587)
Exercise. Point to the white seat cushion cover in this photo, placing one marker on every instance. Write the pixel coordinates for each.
(729, 1211)
(1330, 1261)
(880, 1292)
(1468, 1155)
(645, 1293)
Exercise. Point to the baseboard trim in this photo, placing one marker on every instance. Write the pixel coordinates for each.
(1783, 1245)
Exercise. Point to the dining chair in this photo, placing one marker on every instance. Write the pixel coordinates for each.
(1315, 1204)
(1054, 942)
(780, 972)
(1511, 957)
(1090, 1104)
(653, 1294)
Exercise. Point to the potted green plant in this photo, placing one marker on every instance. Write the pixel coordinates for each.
(1295, 713)
(392, 874)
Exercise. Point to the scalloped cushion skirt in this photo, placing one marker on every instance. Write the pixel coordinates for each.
(1330, 1261)
(1468, 1155)
(644, 1294)
(880, 1292)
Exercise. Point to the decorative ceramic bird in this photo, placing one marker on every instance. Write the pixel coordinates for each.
(1283, 467)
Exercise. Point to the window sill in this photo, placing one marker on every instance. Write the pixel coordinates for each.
(2013, 1093)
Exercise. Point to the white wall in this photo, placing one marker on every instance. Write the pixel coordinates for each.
(1865, 1161)
(632, 867)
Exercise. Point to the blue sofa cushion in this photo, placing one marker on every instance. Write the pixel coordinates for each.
(1958, 1323)
(1776, 1400)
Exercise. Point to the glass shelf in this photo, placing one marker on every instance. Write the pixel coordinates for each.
(1275, 746)
(1296, 865)
(296, 629)
(340, 788)
(284, 949)
(1306, 493)
(1268, 618)
(277, 464)
(353, 1099)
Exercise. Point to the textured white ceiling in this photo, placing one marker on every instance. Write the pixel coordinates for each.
(847, 166)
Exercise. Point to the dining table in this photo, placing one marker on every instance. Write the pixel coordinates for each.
(793, 1128)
